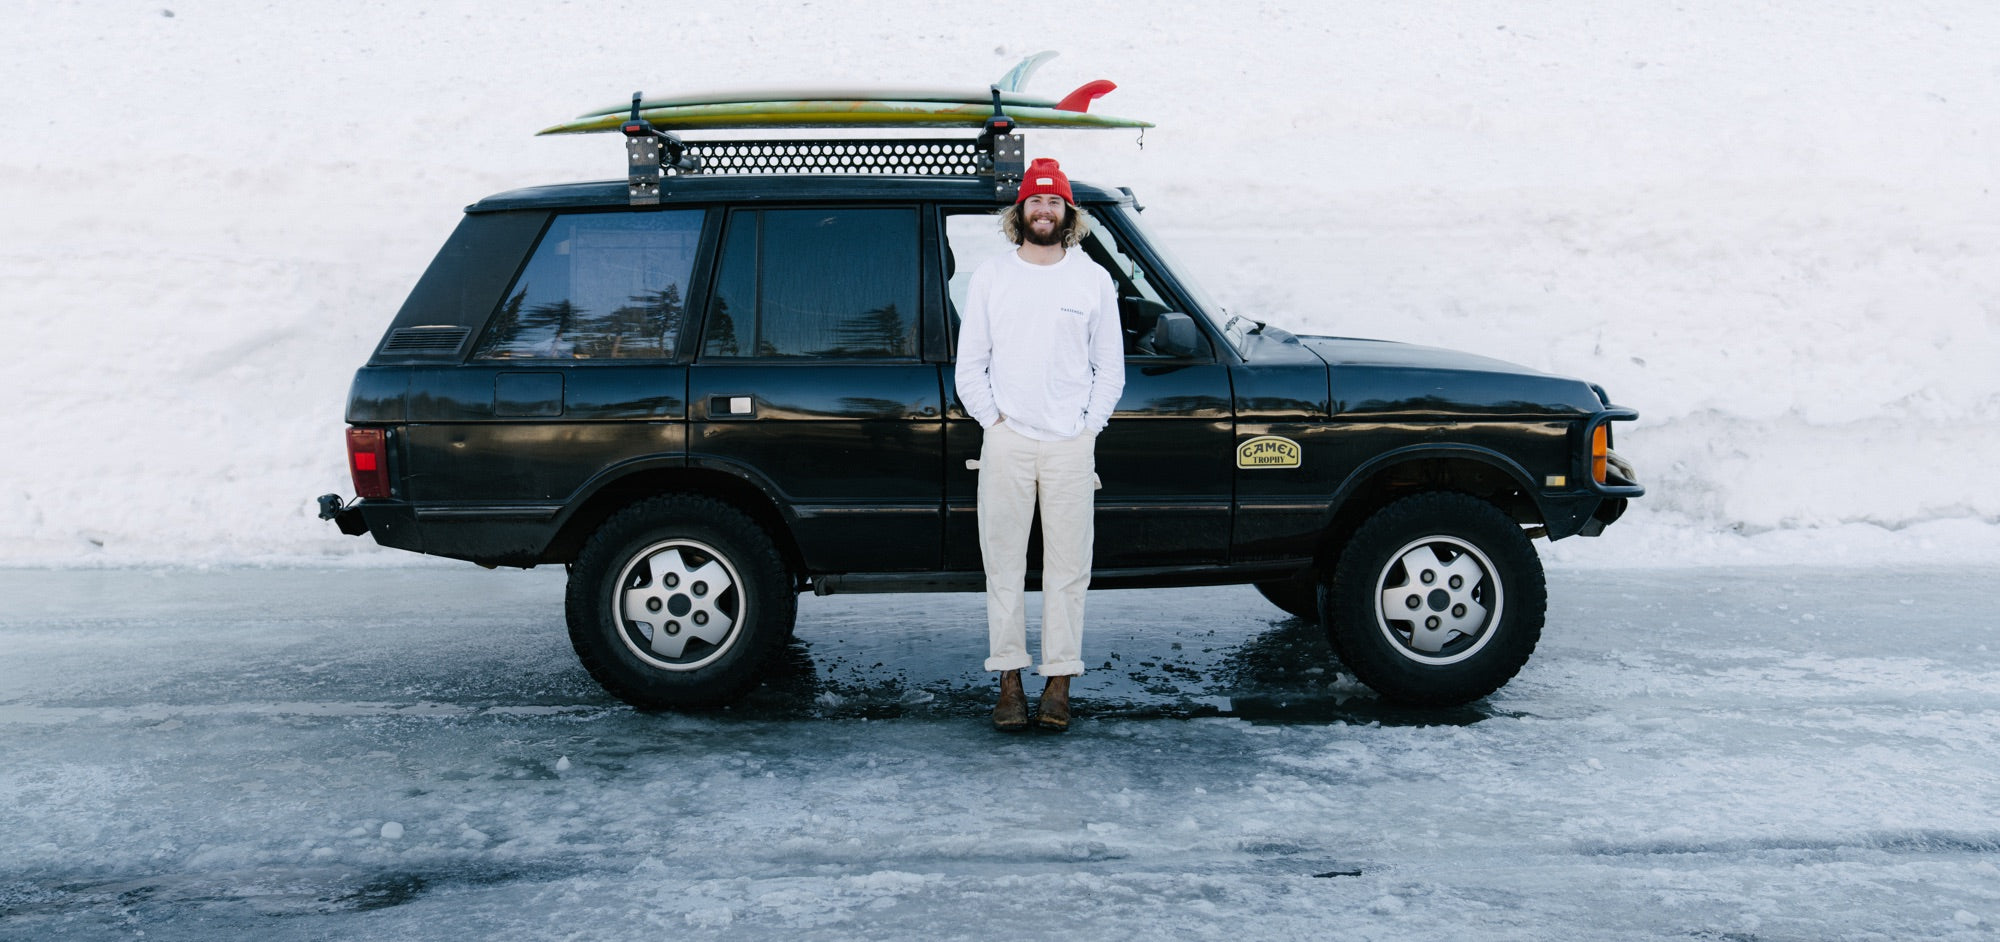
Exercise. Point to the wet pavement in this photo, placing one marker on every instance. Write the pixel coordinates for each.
(1691, 753)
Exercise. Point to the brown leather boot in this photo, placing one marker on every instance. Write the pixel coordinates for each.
(1011, 713)
(1053, 712)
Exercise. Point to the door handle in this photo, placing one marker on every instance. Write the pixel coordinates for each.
(732, 407)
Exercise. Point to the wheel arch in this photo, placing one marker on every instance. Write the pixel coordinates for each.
(627, 485)
(1477, 472)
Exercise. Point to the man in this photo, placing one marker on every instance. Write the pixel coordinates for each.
(1040, 365)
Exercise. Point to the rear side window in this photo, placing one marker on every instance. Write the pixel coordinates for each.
(833, 283)
(599, 286)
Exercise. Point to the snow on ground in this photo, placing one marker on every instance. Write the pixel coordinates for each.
(311, 754)
(1767, 227)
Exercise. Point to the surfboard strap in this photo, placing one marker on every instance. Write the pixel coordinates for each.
(649, 152)
(1004, 151)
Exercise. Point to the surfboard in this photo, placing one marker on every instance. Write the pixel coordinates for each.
(851, 112)
(1017, 77)
(1010, 86)
(958, 96)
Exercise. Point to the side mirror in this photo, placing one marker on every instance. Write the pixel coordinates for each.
(1175, 336)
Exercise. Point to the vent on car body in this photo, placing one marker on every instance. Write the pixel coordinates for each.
(425, 340)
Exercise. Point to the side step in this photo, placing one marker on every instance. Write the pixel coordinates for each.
(1147, 578)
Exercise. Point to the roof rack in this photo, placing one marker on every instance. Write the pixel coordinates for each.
(653, 156)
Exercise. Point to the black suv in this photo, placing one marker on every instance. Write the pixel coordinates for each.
(707, 397)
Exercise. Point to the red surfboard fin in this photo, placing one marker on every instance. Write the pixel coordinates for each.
(1080, 99)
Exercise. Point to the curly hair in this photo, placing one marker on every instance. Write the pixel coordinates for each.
(1076, 225)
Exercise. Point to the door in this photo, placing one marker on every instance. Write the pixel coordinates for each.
(1165, 460)
(810, 382)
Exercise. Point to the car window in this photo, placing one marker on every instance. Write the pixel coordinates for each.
(1140, 301)
(839, 283)
(1197, 300)
(972, 237)
(599, 286)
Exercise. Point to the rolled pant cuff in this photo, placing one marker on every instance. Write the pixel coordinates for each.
(1060, 669)
(1013, 663)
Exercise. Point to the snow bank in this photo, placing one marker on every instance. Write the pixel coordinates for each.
(1770, 230)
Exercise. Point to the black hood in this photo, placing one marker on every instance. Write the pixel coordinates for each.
(1384, 378)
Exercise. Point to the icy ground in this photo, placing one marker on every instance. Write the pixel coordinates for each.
(1761, 753)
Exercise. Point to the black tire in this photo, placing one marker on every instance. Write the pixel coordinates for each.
(1298, 596)
(663, 558)
(1468, 579)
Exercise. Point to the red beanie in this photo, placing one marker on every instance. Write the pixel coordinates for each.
(1044, 176)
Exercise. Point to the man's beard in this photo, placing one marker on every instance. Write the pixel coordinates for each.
(1055, 236)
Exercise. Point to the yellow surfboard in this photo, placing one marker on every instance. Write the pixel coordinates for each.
(854, 108)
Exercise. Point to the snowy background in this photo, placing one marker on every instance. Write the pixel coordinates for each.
(1768, 227)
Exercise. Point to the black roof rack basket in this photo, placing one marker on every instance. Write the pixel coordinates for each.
(653, 156)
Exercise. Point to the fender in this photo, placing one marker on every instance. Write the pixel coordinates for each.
(1419, 452)
(750, 476)
(613, 474)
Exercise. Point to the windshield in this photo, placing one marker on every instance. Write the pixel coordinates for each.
(1232, 327)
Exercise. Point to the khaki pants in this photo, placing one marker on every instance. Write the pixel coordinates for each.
(1013, 469)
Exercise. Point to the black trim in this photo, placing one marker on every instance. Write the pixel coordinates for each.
(759, 188)
(1156, 577)
(804, 511)
(535, 512)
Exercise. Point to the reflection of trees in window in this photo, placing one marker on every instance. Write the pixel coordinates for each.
(816, 283)
(648, 326)
(506, 326)
(735, 290)
(721, 330)
(664, 315)
(554, 322)
(551, 317)
(600, 285)
(548, 329)
(880, 332)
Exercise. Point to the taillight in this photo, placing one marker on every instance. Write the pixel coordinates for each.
(368, 461)
(1600, 448)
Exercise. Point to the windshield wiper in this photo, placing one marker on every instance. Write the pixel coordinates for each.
(1230, 324)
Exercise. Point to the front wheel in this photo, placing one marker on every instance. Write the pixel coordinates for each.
(677, 601)
(1437, 600)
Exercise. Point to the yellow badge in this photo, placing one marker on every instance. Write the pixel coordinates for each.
(1268, 451)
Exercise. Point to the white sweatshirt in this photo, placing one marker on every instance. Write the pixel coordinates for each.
(1041, 345)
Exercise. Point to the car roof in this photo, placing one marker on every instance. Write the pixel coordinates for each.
(697, 188)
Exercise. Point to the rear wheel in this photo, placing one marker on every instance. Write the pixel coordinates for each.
(676, 602)
(1437, 600)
